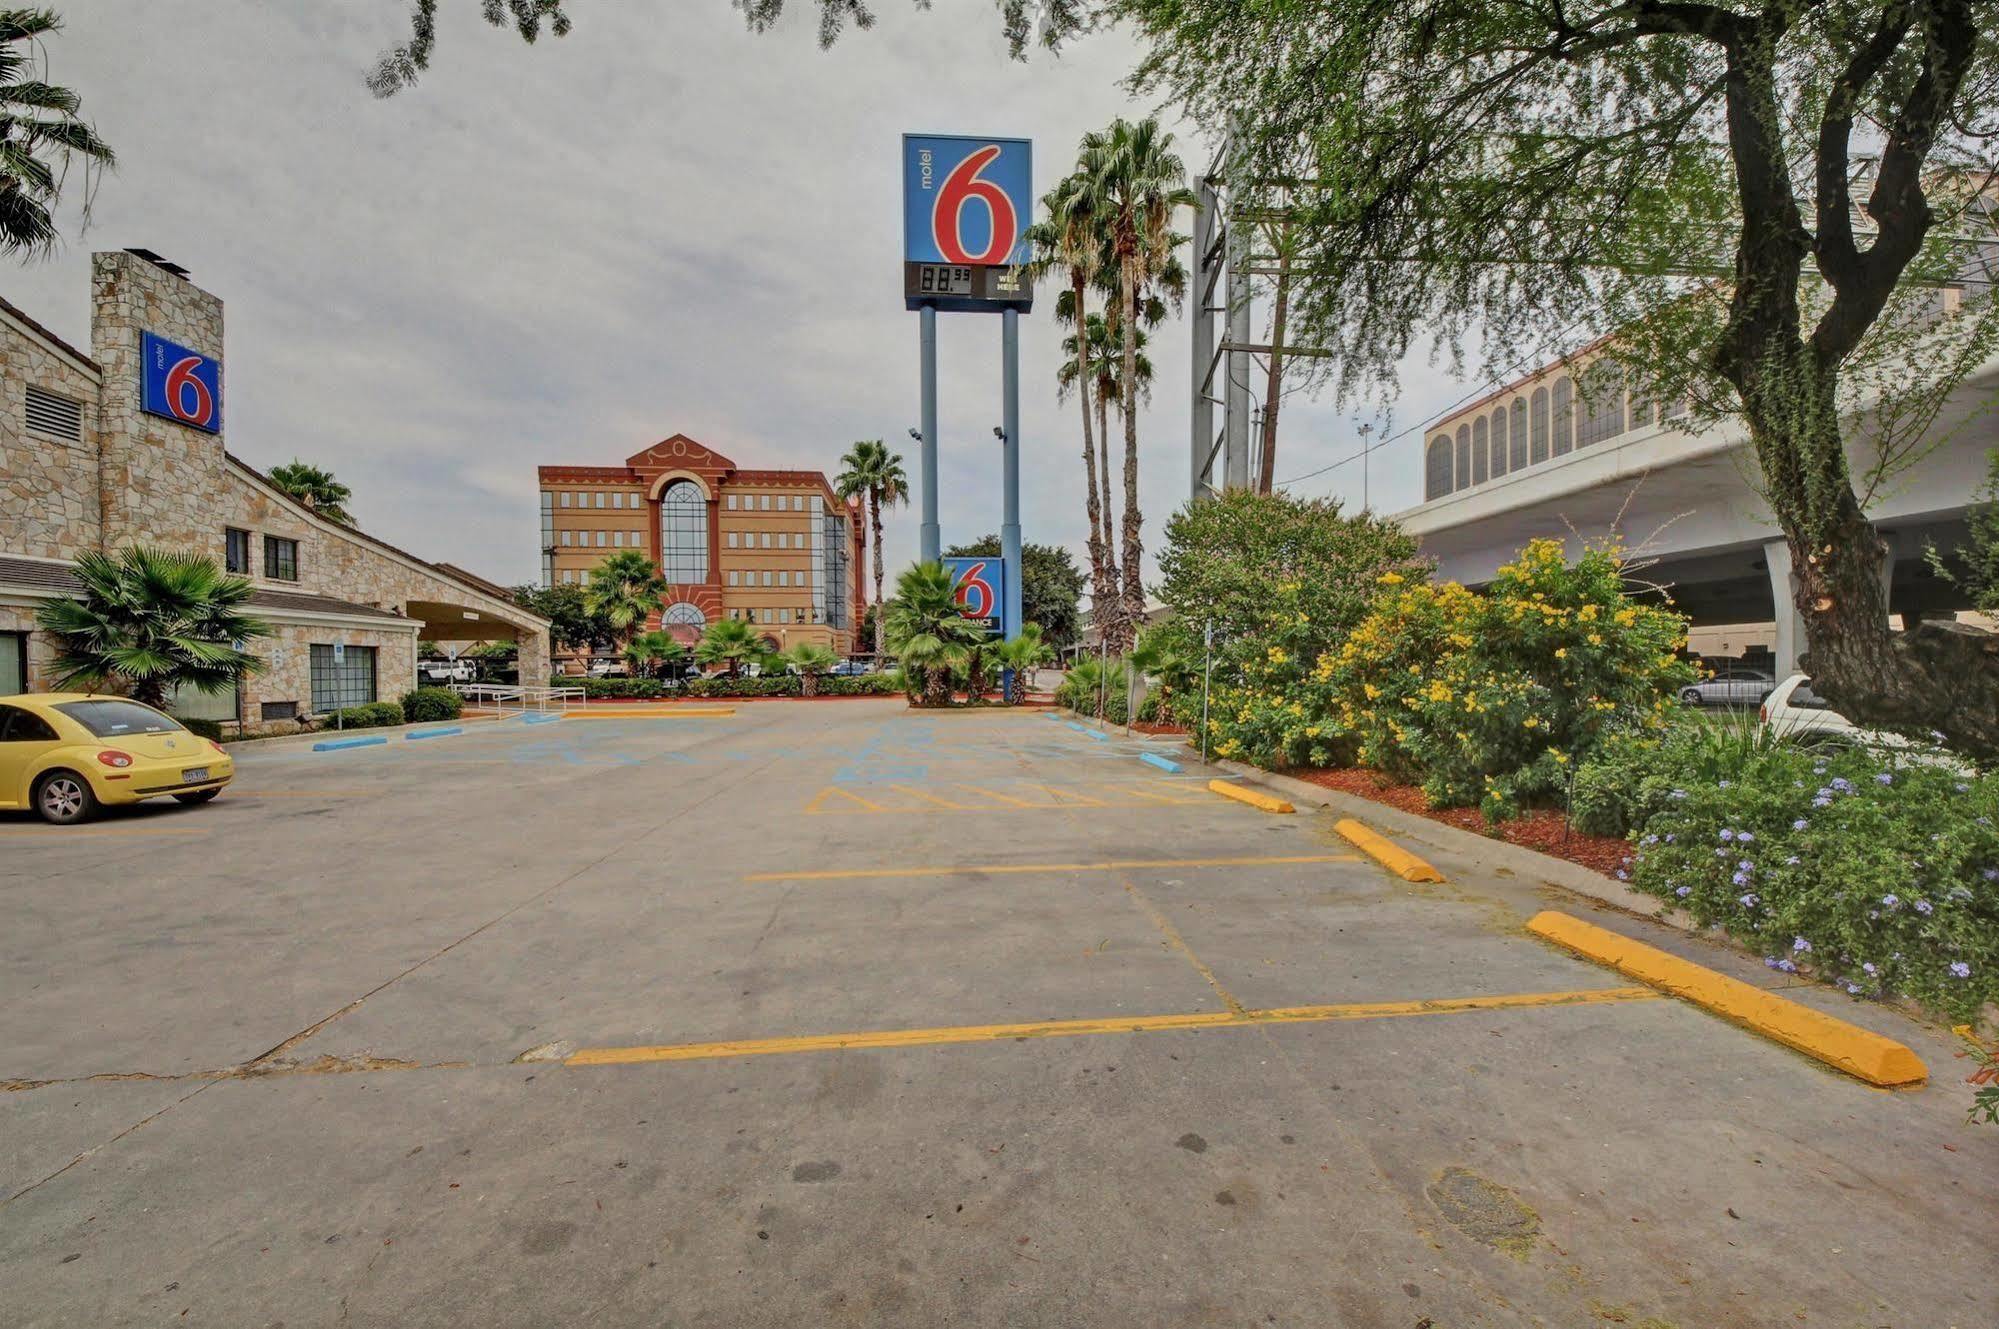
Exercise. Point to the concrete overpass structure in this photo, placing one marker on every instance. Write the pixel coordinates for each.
(1534, 460)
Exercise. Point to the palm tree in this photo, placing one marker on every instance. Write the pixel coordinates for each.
(808, 659)
(869, 468)
(1070, 239)
(39, 135)
(648, 650)
(1140, 183)
(152, 620)
(315, 488)
(1023, 654)
(728, 641)
(927, 629)
(624, 590)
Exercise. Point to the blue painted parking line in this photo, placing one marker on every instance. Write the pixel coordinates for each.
(1154, 759)
(336, 744)
(541, 719)
(1097, 734)
(415, 734)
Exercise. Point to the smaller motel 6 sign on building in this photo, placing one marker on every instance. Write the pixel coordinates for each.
(179, 385)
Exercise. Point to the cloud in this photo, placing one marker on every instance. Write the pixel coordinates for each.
(561, 253)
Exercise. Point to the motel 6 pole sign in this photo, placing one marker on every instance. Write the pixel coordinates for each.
(966, 205)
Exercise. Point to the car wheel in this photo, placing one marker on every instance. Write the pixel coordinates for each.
(198, 796)
(1691, 696)
(64, 798)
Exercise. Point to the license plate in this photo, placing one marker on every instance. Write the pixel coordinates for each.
(194, 776)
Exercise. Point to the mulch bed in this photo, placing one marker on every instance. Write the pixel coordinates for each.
(1155, 727)
(1542, 829)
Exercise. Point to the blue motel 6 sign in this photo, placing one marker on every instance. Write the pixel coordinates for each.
(180, 385)
(980, 587)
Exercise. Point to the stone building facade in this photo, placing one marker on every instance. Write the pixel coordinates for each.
(778, 549)
(84, 466)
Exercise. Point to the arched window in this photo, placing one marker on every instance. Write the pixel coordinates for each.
(1517, 447)
(683, 533)
(1499, 443)
(1464, 458)
(684, 613)
(1437, 468)
(1565, 412)
(1478, 452)
(1540, 452)
(1603, 403)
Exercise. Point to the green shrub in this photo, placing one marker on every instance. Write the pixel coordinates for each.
(768, 685)
(209, 729)
(1882, 875)
(371, 715)
(423, 705)
(618, 689)
(861, 685)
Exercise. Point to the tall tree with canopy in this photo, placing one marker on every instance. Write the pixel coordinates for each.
(624, 590)
(870, 471)
(41, 133)
(316, 488)
(1759, 198)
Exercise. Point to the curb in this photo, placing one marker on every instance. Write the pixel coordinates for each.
(338, 744)
(1154, 759)
(1255, 798)
(415, 734)
(542, 718)
(1386, 852)
(1847, 1047)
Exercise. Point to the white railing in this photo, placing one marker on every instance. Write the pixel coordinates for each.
(505, 699)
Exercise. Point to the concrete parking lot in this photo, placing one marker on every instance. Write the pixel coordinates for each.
(837, 1014)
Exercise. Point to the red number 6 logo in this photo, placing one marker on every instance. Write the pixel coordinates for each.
(975, 593)
(947, 217)
(181, 380)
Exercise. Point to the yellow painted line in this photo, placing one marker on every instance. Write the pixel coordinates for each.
(1124, 1024)
(1148, 794)
(826, 793)
(1076, 799)
(1179, 944)
(1254, 797)
(929, 798)
(1858, 1052)
(1386, 852)
(690, 713)
(1003, 798)
(1111, 865)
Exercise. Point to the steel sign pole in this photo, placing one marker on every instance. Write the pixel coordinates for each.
(1010, 462)
(930, 537)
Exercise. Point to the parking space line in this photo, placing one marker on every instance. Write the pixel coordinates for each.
(72, 832)
(1128, 1024)
(996, 869)
(1003, 798)
(814, 806)
(930, 798)
(1179, 944)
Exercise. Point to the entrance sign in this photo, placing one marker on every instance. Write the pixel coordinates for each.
(966, 205)
(980, 587)
(179, 385)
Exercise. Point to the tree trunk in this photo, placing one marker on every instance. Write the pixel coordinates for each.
(875, 519)
(1266, 475)
(808, 685)
(1097, 547)
(1134, 589)
(975, 676)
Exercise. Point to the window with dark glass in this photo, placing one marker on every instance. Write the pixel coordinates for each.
(1437, 468)
(683, 533)
(1478, 451)
(280, 558)
(1540, 448)
(1517, 448)
(1603, 404)
(1498, 466)
(349, 681)
(236, 550)
(1564, 417)
(13, 663)
(1463, 468)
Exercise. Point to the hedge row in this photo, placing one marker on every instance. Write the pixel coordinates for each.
(773, 685)
(373, 715)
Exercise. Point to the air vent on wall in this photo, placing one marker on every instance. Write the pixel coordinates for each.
(56, 416)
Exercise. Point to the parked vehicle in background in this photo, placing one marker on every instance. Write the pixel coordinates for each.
(1732, 685)
(448, 671)
(608, 669)
(849, 669)
(64, 754)
(1795, 712)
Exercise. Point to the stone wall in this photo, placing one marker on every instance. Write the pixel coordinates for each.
(157, 478)
(48, 486)
(287, 672)
(41, 647)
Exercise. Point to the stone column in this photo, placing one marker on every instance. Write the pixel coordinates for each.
(533, 659)
(1790, 623)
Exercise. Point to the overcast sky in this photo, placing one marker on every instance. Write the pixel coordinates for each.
(565, 252)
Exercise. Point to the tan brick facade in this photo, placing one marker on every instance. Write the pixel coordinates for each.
(132, 477)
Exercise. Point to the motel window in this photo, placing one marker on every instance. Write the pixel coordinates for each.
(1437, 468)
(683, 533)
(1540, 435)
(1498, 467)
(1518, 446)
(13, 663)
(280, 558)
(236, 550)
(565, 498)
(348, 682)
(732, 502)
(1565, 412)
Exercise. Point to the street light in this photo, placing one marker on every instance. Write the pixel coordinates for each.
(916, 434)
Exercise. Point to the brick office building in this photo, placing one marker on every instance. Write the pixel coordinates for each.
(86, 465)
(776, 548)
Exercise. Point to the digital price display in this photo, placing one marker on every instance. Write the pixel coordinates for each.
(966, 286)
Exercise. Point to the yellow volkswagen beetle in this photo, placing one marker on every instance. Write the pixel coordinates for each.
(64, 754)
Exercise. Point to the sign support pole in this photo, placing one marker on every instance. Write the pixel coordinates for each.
(1010, 461)
(930, 536)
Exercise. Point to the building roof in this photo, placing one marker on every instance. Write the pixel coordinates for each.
(45, 575)
(14, 311)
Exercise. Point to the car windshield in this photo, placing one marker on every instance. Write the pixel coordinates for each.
(117, 719)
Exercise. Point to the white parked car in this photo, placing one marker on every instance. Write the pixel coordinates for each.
(448, 671)
(1793, 710)
(608, 669)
